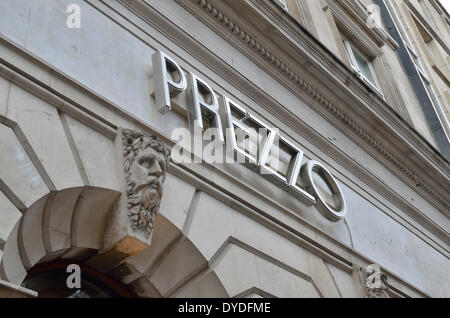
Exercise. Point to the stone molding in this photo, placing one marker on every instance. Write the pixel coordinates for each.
(355, 9)
(235, 29)
(341, 9)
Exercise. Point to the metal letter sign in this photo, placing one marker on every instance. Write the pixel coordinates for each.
(166, 69)
(305, 182)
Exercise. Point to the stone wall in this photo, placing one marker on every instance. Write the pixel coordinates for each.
(222, 230)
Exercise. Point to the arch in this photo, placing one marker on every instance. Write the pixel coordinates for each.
(172, 262)
(67, 224)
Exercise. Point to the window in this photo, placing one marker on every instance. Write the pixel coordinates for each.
(437, 61)
(362, 65)
(419, 67)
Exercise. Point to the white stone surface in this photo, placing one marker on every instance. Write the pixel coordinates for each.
(41, 125)
(89, 218)
(97, 154)
(207, 286)
(181, 262)
(9, 216)
(20, 175)
(11, 266)
(164, 234)
(4, 91)
(101, 54)
(176, 200)
(392, 246)
(253, 295)
(347, 285)
(260, 273)
(211, 225)
(276, 280)
(8, 290)
(31, 240)
(229, 269)
(57, 219)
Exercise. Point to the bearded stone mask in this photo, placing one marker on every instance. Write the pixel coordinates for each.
(145, 164)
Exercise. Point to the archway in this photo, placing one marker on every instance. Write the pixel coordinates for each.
(66, 224)
(51, 279)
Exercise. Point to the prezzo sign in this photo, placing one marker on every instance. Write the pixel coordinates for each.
(250, 140)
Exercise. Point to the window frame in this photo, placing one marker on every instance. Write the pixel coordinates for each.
(349, 48)
(423, 76)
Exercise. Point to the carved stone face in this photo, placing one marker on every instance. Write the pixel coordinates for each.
(145, 165)
(148, 171)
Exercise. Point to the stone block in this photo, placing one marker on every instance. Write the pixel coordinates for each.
(8, 290)
(41, 126)
(21, 176)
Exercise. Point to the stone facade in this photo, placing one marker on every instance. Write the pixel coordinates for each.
(85, 148)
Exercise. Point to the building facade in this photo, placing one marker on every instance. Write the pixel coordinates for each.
(238, 148)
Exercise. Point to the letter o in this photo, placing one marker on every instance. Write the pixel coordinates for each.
(331, 213)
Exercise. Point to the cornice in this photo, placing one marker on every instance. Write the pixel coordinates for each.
(341, 9)
(235, 29)
(359, 15)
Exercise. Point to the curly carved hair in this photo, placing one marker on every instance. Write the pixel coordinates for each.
(135, 142)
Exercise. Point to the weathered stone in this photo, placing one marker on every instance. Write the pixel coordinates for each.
(129, 231)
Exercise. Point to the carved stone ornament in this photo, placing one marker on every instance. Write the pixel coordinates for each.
(146, 160)
(373, 281)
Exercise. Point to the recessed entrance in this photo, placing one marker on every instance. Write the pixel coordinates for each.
(50, 281)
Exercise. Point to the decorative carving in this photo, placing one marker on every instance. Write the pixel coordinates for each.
(373, 281)
(146, 160)
(293, 76)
